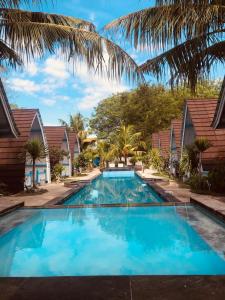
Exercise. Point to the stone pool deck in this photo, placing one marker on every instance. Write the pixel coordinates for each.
(114, 288)
(173, 190)
(55, 191)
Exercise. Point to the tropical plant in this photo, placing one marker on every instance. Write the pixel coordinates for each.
(35, 150)
(155, 160)
(199, 183)
(26, 35)
(126, 142)
(216, 178)
(57, 171)
(80, 162)
(76, 124)
(202, 144)
(90, 154)
(186, 35)
(56, 155)
(104, 152)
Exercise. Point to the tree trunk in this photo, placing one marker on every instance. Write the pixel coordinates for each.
(200, 163)
(125, 157)
(33, 174)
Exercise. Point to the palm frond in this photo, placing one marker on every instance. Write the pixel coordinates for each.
(188, 61)
(8, 57)
(164, 26)
(17, 3)
(17, 15)
(33, 39)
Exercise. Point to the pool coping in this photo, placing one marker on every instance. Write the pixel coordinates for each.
(160, 287)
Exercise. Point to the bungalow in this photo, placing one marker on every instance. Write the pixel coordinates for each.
(175, 143)
(161, 141)
(219, 117)
(74, 145)
(197, 121)
(57, 137)
(7, 124)
(16, 172)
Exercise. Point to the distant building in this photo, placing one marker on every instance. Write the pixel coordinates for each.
(16, 172)
(57, 137)
(197, 121)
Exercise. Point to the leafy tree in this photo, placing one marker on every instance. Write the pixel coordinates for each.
(27, 34)
(149, 108)
(57, 171)
(35, 150)
(155, 160)
(187, 37)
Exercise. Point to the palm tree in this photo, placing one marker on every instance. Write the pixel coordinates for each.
(76, 124)
(202, 144)
(103, 152)
(185, 36)
(35, 150)
(126, 141)
(26, 35)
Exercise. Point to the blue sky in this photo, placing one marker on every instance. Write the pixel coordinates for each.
(50, 86)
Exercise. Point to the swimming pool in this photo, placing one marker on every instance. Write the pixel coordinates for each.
(115, 187)
(111, 241)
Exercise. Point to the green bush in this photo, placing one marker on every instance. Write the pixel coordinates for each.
(199, 183)
(57, 171)
(216, 179)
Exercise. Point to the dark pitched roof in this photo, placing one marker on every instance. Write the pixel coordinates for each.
(219, 116)
(161, 141)
(176, 127)
(8, 126)
(155, 140)
(55, 135)
(72, 137)
(164, 138)
(12, 168)
(202, 113)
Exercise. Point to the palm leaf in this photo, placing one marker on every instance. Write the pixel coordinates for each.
(8, 57)
(164, 26)
(17, 3)
(32, 39)
(189, 59)
(16, 15)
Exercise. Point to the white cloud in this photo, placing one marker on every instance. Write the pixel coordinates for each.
(94, 88)
(48, 102)
(32, 69)
(24, 85)
(56, 68)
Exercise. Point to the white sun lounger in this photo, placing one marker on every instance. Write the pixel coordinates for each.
(112, 165)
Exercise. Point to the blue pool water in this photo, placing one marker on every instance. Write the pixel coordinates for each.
(108, 241)
(115, 187)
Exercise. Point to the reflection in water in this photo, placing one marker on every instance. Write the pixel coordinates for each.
(115, 190)
(106, 241)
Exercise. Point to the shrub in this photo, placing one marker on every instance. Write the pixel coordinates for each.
(57, 171)
(80, 162)
(217, 179)
(199, 183)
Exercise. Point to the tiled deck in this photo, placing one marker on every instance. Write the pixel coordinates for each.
(55, 191)
(114, 288)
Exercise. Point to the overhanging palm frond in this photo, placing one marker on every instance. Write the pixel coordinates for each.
(17, 3)
(8, 57)
(16, 15)
(34, 39)
(188, 61)
(163, 26)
